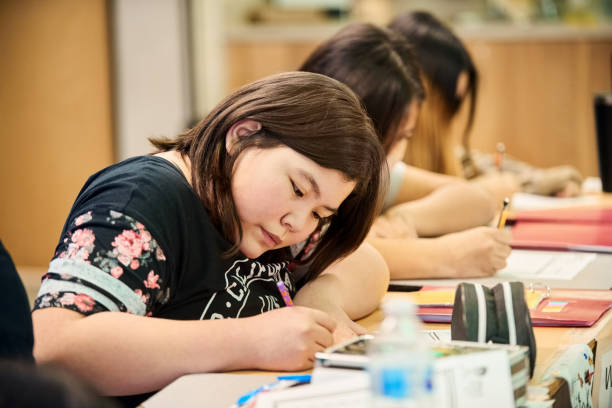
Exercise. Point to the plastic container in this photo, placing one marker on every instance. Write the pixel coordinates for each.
(401, 361)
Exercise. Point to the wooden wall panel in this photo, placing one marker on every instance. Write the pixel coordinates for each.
(248, 62)
(535, 96)
(55, 115)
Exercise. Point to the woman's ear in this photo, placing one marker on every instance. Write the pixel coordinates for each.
(239, 130)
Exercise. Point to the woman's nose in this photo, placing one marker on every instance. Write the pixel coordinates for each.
(300, 221)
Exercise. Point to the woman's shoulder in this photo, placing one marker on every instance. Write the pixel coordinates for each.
(149, 174)
(140, 167)
(142, 186)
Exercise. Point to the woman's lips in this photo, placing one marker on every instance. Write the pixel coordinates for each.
(271, 239)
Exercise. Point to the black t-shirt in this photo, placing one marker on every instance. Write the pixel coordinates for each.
(139, 240)
(16, 338)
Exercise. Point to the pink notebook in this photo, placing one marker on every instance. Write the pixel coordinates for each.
(555, 311)
(566, 215)
(569, 312)
(566, 229)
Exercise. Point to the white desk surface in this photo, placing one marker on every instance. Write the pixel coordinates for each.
(207, 390)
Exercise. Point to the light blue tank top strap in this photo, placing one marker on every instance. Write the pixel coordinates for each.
(396, 176)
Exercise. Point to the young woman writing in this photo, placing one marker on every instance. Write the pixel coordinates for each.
(380, 67)
(168, 264)
(451, 78)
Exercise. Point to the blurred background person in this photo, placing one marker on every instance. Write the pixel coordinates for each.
(380, 67)
(451, 79)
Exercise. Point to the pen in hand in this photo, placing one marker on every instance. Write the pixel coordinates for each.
(284, 293)
(501, 223)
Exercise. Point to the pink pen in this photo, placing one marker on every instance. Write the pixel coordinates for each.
(284, 293)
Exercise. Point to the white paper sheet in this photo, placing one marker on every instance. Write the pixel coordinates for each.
(526, 202)
(530, 264)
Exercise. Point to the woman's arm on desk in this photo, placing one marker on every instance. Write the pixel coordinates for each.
(348, 290)
(476, 252)
(435, 204)
(141, 354)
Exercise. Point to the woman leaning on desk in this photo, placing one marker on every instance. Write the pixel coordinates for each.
(450, 78)
(168, 264)
(380, 66)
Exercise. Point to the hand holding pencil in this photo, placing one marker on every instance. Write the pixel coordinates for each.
(503, 215)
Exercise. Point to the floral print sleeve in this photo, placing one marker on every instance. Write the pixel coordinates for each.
(106, 261)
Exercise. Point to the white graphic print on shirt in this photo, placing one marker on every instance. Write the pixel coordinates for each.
(239, 281)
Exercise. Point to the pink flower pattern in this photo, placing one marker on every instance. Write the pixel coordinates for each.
(83, 218)
(151, 281)
(123, 255)
(116, 271)
(143, 297)
(83, 302)
(159, 254)
(80, 246)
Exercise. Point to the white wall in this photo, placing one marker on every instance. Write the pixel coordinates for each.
(151, 72)
(208, 21)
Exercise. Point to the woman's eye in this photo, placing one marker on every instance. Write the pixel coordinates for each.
(316, 216)
(296, 190)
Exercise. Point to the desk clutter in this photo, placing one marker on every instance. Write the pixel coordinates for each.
(465, 374)
(570, 308)
(498, 314)
(573, 330)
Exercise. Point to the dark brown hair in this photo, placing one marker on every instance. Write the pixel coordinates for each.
(442, 57)
(379, 66)
(317, 117)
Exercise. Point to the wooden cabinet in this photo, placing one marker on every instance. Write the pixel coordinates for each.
(537, 98)
(55, 114)
(536, 93)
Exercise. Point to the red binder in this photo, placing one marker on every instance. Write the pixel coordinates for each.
(587, 230)
(559, 312)
(566, 216)
(569, 312)
(569, 308)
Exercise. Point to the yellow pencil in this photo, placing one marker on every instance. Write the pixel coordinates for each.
(504, 214)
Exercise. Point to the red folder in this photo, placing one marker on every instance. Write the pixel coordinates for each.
(555, 311)
(587, 230)
(569, 312)
(566, 216)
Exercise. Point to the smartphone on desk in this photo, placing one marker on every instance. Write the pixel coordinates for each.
(349, 354)
(353, 353)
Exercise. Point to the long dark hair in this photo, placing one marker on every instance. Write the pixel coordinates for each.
(442, 57)
(314, 115)
(379, 66)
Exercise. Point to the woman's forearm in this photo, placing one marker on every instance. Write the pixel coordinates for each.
(122, 354)
(418, 258)
(355, 284)
(450, 208)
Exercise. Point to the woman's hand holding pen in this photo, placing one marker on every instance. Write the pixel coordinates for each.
(345, 327)
(286, 339)
(476, 252)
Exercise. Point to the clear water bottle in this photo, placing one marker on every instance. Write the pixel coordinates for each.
(400, 360)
